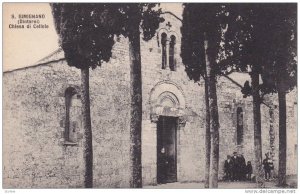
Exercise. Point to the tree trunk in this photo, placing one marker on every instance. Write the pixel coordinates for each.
(135, 110)
(257, 123)
(87, 128)
(282, 137)
(214, 117)
(214, 125)
(207, 136)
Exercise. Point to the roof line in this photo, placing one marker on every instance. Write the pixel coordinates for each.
(39, 62)
(50, 55)
(48, 62)
(233, 81)
(172, 15)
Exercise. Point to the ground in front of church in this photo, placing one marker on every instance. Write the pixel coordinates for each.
(291, 181)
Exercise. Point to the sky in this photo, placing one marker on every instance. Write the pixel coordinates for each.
(24, 47)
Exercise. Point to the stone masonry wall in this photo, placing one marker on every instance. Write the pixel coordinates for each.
(35, 155)
(190, 138)
(292, 133)
(228, 102)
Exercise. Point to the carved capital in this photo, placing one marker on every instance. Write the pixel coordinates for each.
(182, 121)
(154, 118)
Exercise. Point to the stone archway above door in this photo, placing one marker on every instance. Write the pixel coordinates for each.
(167, 99)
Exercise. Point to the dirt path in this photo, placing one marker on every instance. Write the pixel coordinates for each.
(222, 185)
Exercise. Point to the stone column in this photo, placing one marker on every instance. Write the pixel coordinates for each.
(154, 119)
(182, 122)
(168, 54)
(181, 126)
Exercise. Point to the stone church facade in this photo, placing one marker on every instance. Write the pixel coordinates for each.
(42, 122)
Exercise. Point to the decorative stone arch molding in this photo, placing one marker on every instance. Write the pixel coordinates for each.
(162, 30)
(170, 88)
(167, 99)
(173, 33)
(169, 33)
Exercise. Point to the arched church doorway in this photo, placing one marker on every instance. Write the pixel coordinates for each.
(168, 117)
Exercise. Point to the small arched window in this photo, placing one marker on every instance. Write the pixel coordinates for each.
(240, 126)
(164, 50)
(171, 53)
(72, 113)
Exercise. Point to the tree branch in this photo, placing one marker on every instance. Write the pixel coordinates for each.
(239, 85)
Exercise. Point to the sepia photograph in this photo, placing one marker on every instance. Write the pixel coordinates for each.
(150, 95)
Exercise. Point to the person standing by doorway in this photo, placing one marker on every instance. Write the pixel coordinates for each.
(162, 166)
